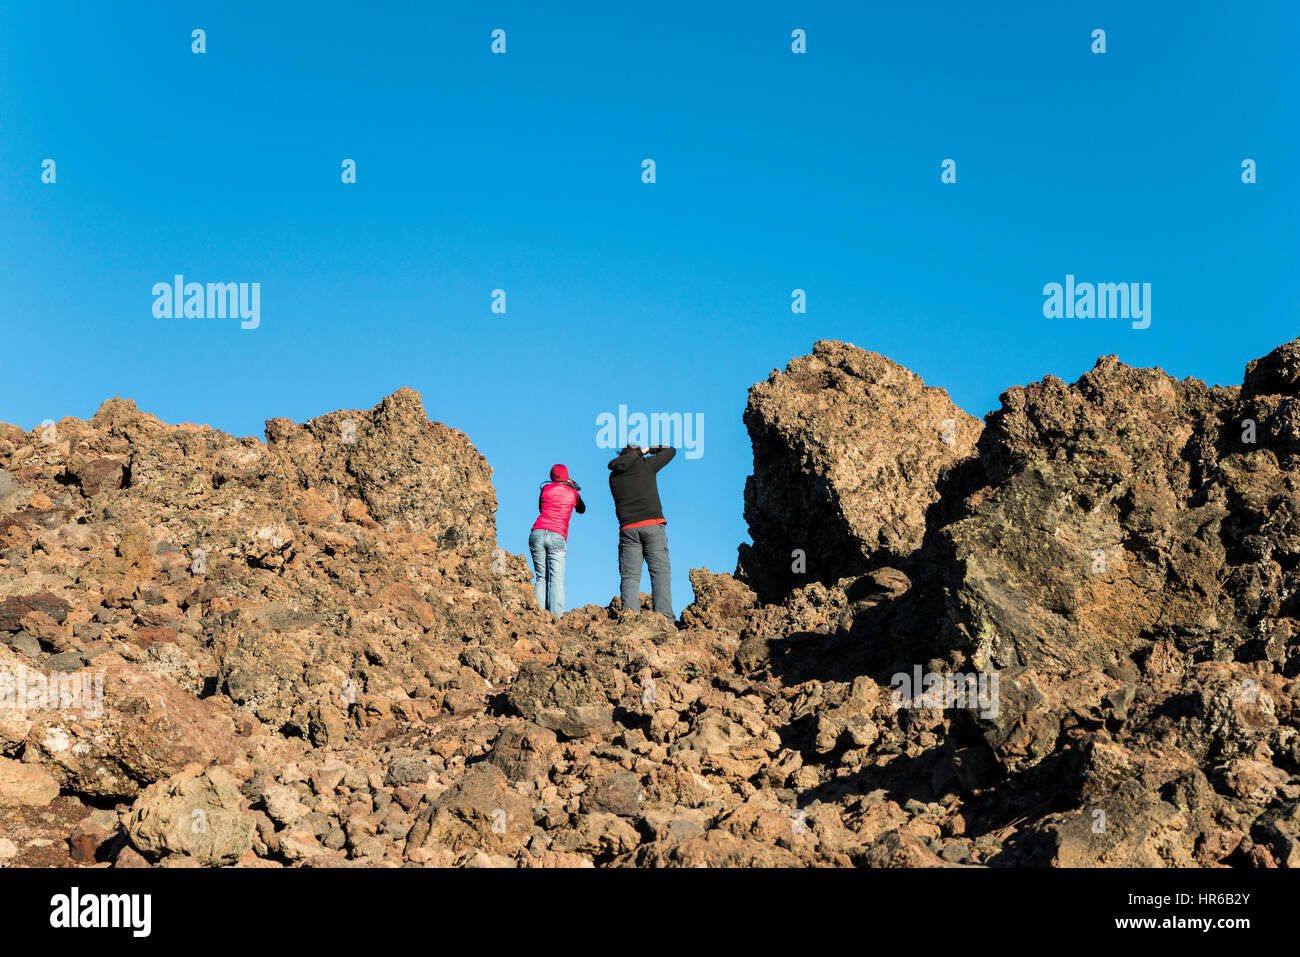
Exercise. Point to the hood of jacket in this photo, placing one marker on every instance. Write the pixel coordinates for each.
(624, 460)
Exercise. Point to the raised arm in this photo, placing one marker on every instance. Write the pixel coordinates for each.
(660, 455)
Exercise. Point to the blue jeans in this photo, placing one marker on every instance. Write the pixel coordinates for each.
(548, 567)
(650, 541)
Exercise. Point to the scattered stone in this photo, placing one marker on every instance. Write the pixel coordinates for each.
(25, 785)
(198, 813)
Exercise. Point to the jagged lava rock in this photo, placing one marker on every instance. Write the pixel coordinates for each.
(849, 448)
(1128, 508)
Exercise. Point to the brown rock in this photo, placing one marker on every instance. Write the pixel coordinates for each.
(25, 785)
(88, 841)
(12, 610)
(849, 449)
(197, 813)
(142, 729)
(99, 474)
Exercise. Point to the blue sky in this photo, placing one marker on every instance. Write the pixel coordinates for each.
(522, 171)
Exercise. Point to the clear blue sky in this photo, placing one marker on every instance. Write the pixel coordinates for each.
(523, 172)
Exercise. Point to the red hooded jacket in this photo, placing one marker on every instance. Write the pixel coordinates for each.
(557, 502)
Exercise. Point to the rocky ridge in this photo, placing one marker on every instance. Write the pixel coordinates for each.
(308, 651)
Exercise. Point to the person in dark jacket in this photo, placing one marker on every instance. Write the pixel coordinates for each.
(642, 528)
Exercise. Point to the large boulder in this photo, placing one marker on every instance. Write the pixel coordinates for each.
(199, 813)
(480, 812)
(849, 449)
(142, 729)
(1128, 508)
(1094, 526)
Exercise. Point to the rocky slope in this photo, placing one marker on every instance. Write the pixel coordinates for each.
(308, 651)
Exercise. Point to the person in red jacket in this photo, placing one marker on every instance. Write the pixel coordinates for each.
(557, 501)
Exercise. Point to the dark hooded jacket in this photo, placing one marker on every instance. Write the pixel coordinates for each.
(632, 481)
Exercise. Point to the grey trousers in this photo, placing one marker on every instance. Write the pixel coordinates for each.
(650, 541)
